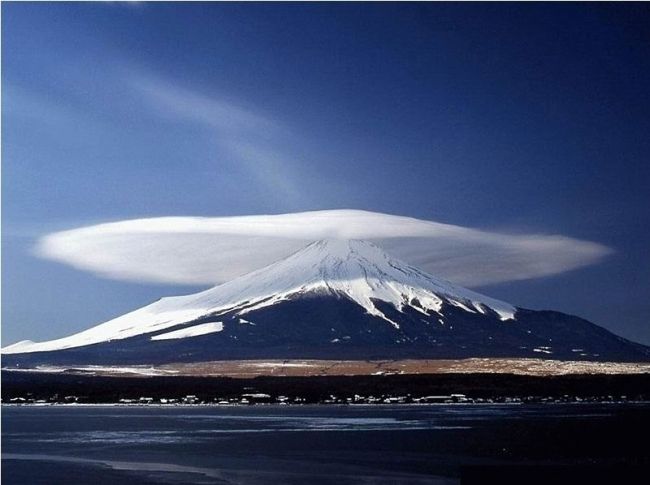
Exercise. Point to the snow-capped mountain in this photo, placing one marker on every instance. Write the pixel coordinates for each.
(332, 299)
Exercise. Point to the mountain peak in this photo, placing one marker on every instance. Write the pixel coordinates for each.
(364, 272)
(354, 269)
(334, 298)
(342, 249)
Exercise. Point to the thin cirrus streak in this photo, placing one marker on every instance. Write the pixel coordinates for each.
(257, 141)
(211, 250)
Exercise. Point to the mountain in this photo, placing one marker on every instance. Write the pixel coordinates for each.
(333, 299)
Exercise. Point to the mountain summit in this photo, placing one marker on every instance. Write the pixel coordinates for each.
(332, 299)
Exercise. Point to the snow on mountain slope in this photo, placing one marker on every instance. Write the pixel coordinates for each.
(357, 270)
(193, 331)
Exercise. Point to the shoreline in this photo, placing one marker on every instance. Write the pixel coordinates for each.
(321, 404)
(24, 388)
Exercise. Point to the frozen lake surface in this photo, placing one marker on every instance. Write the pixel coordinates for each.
(309, 444)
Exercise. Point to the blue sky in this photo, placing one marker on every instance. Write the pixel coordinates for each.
(517, 118)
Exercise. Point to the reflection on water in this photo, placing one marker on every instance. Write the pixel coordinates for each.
(315, 444)
(193, 474)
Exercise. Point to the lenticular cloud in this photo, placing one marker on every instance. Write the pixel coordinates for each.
(211, 250)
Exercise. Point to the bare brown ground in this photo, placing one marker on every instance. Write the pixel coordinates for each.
(255, 368)
(347, 367)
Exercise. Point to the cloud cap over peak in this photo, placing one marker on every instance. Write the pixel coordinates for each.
(211, 250)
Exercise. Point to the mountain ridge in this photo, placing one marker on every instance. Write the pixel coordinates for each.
(337, 298)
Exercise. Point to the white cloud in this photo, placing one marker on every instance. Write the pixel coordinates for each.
(196, 250)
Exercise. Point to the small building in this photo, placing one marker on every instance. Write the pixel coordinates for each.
(436, 399)
(190, 399)
(256, 398)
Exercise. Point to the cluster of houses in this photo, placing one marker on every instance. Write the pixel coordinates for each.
(263, 398)
(248, 398)
(52, 400)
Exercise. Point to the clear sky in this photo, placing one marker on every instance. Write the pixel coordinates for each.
(507, 117)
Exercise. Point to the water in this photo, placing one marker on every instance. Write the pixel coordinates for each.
(309, 444)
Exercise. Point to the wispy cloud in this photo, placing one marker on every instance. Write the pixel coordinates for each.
(256, 140)
(126, 3)
(190, 105)
(194, 250)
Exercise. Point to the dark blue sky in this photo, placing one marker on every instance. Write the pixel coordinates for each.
(511, 117)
